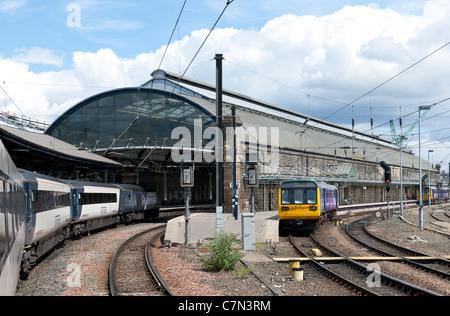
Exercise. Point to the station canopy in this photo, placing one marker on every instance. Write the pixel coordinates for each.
(135, 125)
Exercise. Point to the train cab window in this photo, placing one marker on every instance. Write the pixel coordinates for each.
(298, 196)
(311, 196)
(285, 197)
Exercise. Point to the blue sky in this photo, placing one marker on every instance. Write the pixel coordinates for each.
(310, 56)
(130, 28)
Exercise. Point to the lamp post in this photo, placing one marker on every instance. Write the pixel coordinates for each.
(422, 108)
(429, 179)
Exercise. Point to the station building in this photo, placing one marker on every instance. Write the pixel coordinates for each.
(140, 128)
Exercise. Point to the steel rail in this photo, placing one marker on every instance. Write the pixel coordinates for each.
(332, 275)
(151, 267)
(411, 252)
(117, 253)
(388, 280)
(406, 250)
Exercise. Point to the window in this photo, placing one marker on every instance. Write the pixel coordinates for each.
(3, 240)
(43, 201)
(97, 198)
(299, 196)
(285, 197)
(98, 123)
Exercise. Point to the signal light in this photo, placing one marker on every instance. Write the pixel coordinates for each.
(387, 172)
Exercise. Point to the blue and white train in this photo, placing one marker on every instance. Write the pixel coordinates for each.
(12, 223)
(37, 213)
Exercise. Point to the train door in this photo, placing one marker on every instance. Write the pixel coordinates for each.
(28, 211)
(324, 200)
(76, 207)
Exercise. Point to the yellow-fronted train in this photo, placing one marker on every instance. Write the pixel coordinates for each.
(303, 205)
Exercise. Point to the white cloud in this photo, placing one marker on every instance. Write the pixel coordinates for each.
(338, 57)
(11, 6)
(38, 55)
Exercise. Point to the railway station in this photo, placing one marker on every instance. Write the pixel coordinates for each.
(127, 135)
(135, 141)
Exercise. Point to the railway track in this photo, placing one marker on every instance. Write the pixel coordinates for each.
(358, 231)
(131, 272)
(296, 243)
(360, 278)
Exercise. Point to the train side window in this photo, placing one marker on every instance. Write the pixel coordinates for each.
(3, 241)
(9, 213)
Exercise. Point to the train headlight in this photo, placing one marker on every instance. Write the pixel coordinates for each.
(285, 208)
(313, 208)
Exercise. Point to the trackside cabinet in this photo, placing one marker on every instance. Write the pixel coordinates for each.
(248, 232)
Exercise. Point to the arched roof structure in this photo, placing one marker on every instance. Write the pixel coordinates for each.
(133, 125)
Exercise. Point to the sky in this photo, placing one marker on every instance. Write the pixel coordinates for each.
(319, 58)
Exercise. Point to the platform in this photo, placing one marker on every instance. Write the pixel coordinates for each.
(203, 226)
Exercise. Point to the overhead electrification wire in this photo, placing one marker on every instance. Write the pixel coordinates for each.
(9, 97)
(171, 36)
(387, 81)
(204, 42)
(177, 84)
(179, 79)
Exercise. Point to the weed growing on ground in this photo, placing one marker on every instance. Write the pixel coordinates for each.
(223, 255)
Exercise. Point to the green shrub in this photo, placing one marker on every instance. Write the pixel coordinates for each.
(223, 256)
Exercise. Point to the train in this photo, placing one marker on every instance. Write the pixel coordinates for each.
(38, 213)
(437, 194)
(303, 205)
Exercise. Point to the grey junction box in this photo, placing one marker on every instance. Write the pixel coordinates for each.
(248, 232)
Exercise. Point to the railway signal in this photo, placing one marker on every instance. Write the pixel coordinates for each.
(388, 180)
(387, 172)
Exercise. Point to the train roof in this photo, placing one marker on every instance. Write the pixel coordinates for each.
(81, 184)
(306, 184)
(7, 165)
(30, 175)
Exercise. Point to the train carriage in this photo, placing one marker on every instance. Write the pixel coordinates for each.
(38, 212)
(12, 223)
(94, 205)
(304, 204)
(48, 207)
(132, 202)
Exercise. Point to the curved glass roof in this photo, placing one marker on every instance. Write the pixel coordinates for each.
(130, 117)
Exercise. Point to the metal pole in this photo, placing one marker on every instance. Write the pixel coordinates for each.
(422, 108)
(388, 204)
(235, 187)
(187, 215)
(420, 175)
(429, 179)
(219, 145)
(401, 177)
